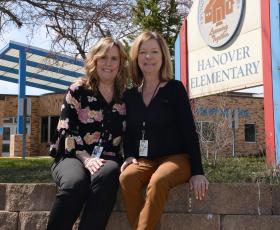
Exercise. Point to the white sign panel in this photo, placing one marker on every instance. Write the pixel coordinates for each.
(237, 62)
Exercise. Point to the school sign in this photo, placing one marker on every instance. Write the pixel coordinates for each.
(226, 45)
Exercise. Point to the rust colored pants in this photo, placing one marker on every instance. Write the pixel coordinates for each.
(160, 175)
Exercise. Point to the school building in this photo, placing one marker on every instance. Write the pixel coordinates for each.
(26, 122)
(230, 124)
(213, 115)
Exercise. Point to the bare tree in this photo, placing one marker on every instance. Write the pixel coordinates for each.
(215, 134)
(72, 25)
(184, 7)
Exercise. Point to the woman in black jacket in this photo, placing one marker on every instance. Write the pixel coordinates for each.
(161, 145)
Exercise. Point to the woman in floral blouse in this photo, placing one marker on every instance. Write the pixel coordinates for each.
(86, 145)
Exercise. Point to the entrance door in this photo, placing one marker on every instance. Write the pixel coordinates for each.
(8, 130)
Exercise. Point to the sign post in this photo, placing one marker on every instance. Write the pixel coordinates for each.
(233, 124)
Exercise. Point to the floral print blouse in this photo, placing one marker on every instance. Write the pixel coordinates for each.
(87, 120)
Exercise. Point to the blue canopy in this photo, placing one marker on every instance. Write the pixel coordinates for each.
(39, 68)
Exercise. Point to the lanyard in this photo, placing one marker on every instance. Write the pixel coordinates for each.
(153, 92)
(144, 123)
(101, 135)
(98, 149)
(143, 130)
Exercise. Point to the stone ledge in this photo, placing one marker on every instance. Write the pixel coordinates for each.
(189, 221)
(8, 220)
(2, 196)
(276, 199)
(33, 220)
(226, 207)
(243, 222)
(29, 197)
(247, 199)
(118, 221)
(169, 221)
(37, 220)
(233, 199)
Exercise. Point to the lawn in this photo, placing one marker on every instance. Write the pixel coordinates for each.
(30, 170)
(240, 170)
(222, 170)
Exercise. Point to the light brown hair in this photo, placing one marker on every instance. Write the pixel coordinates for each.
(98, 51)
(166, 70)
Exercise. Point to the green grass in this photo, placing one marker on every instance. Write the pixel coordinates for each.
(240, 170)
(30, 170)
(223, 170)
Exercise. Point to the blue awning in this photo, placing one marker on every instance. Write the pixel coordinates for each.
(43, 69)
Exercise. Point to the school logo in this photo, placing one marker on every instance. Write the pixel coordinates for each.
(218, 20)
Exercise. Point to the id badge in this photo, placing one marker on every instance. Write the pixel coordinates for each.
(143, 148)
(97, 151)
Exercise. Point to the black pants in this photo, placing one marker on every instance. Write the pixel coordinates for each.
(79, 189)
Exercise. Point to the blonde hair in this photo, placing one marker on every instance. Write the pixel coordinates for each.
(166, 70)
(98, 51)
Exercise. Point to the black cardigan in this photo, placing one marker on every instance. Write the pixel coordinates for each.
(169, 124)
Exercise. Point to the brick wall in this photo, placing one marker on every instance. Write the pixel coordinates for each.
(226, 207)
(10, 109)
(46, 105)
(50, 105)
(35, 127)
(9, 105)
(16, 145)
(2, 104)
(251, 111)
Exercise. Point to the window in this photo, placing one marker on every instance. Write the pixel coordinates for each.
(205, 131)
(27, 120)
(6, 148)
(48, 126)
(250, 133)
(44, 129)
(54, 122)
(6, 133)
(13, 120)
(8, 120)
